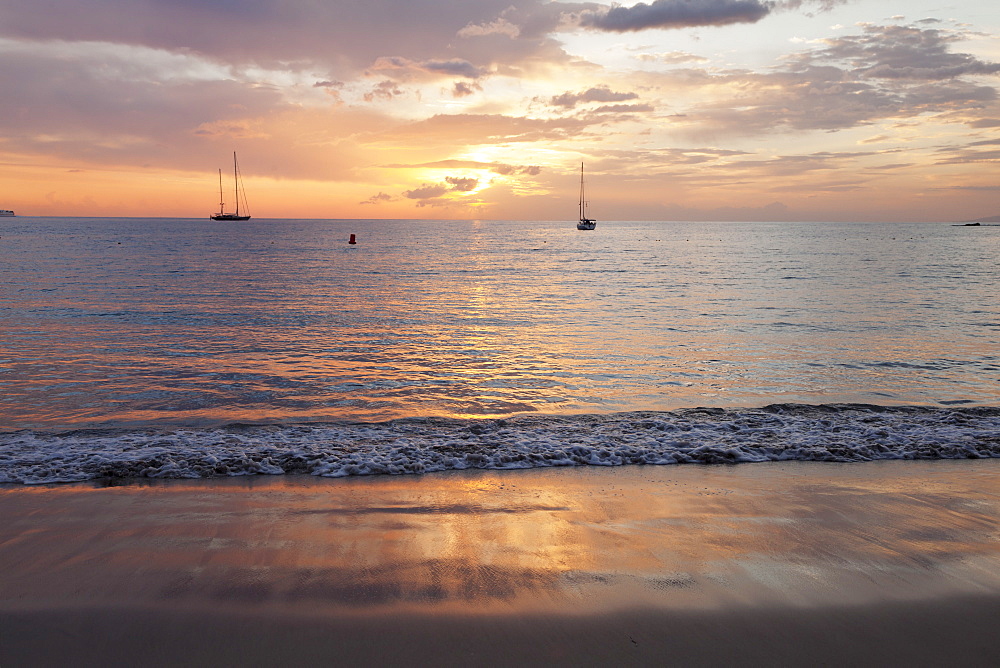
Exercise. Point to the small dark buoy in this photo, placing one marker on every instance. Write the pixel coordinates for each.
(353, 240)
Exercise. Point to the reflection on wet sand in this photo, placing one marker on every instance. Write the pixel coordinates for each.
(582, 539)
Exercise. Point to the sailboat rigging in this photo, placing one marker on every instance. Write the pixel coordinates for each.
(238, 193)
(584, 223)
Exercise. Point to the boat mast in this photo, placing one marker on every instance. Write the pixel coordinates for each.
(222, 203)
(582, 208)
(236, 184)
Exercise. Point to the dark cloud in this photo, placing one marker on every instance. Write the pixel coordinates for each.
(296, 34)
(462, 184)
(436, 190)
(948, 95)
(596, 94)
(526, 20)
(904, 52)
(427, 191)
(513, 170)
(377, 199)
(674, 14)
(463, 89)
(455, 67)
(533, 19)
(384, 90)
(887, 72)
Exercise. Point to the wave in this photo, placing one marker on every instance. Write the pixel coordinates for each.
(780, 432)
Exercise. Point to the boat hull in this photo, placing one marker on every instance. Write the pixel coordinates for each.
(228, 216)
(586, 224)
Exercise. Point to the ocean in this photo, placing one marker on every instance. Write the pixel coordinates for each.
(159, 347)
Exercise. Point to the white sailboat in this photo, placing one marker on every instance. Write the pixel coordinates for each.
(584, 223)
(238, 193)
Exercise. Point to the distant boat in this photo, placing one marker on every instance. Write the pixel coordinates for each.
(985, 221)
(6, 212)
(238, 193)
(585, 223)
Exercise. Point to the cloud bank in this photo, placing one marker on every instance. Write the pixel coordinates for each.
(674, 14)
(491, 104)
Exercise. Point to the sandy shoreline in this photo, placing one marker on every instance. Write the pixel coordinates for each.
(787, 564)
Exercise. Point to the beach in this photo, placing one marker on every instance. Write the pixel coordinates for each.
(495, 334)
(791, 563)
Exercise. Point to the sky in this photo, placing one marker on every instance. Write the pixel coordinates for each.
(778, 110)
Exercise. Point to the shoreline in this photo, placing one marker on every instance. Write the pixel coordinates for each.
(772, 433)
(785, 563)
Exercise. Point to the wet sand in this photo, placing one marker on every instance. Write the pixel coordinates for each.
(895, 563)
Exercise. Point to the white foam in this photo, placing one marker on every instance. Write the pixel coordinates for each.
(840, 433)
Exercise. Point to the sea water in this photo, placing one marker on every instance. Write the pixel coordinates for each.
(189, 348)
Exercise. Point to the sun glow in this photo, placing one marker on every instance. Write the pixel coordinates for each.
(469, 111)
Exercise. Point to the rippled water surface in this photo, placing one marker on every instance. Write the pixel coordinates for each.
(127, 322)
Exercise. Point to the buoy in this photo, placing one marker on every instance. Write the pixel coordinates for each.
(353, 240)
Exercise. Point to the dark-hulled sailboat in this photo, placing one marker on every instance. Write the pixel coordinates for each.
(584, 222)
(238, 192)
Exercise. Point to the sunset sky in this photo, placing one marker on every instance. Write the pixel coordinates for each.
(681, 109)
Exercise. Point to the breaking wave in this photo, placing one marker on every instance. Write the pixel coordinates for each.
(781, 432)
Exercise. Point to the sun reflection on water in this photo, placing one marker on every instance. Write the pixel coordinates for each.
(180, 324)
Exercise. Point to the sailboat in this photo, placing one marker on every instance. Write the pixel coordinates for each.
(585, 223)
(238, 193)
